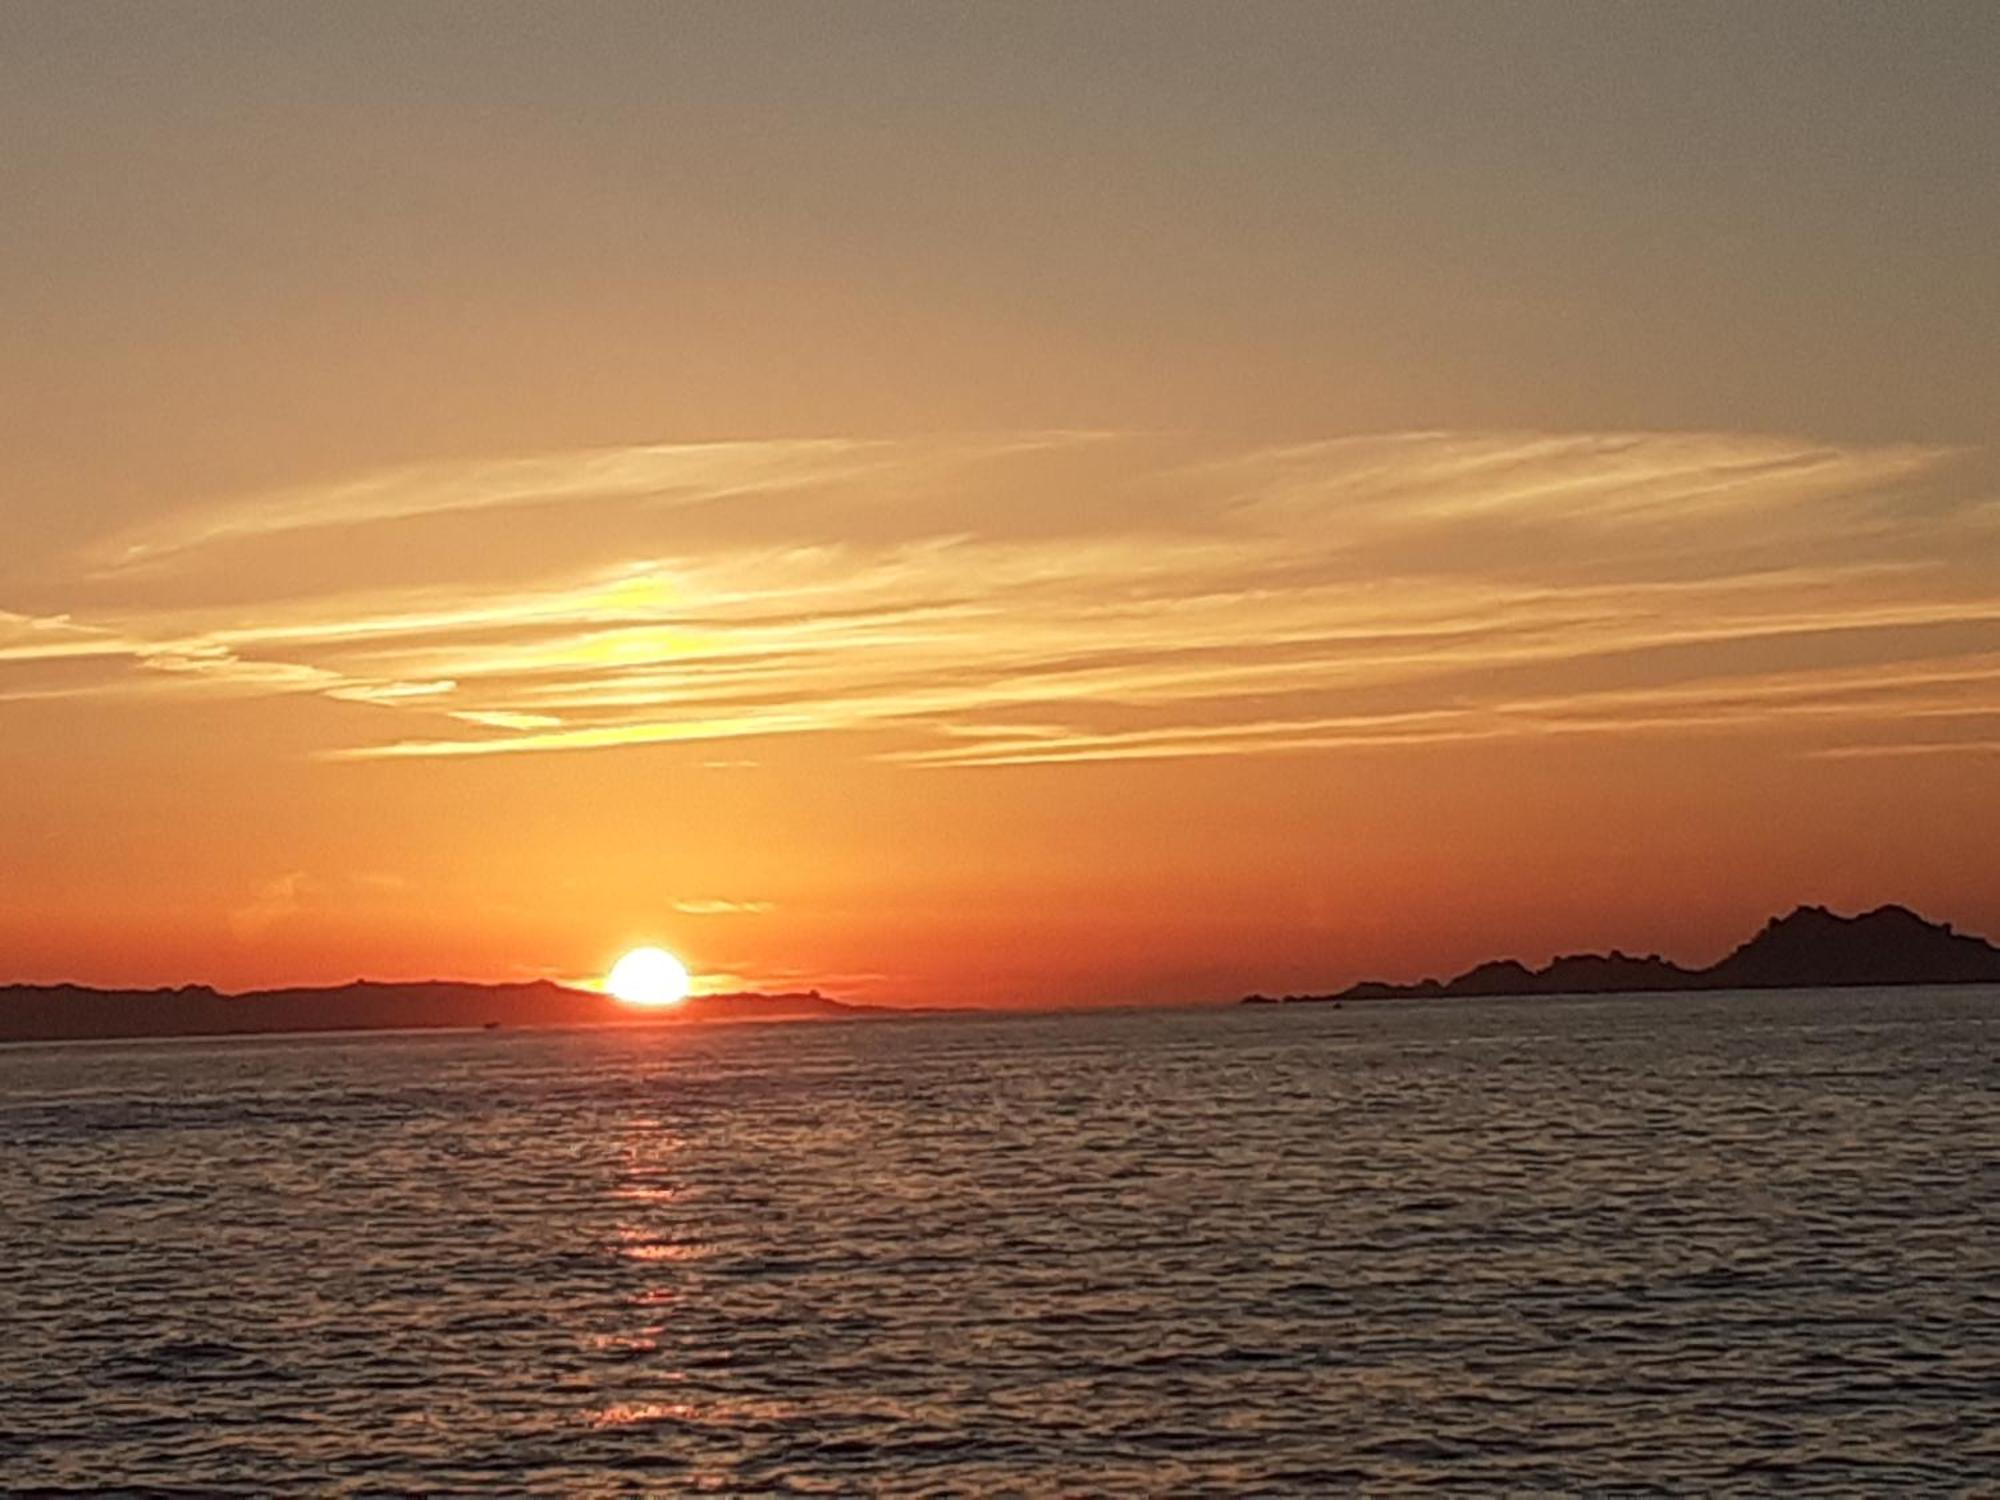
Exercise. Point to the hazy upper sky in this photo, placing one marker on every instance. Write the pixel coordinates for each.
(990, 502)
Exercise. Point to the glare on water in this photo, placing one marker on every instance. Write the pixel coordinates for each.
(1530, 1245)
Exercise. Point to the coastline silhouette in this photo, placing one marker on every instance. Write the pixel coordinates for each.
(1810, 948)
(74, 1012)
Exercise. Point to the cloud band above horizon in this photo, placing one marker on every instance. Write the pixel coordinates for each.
(1050, 598)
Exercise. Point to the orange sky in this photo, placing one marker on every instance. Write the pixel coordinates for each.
(947, 516)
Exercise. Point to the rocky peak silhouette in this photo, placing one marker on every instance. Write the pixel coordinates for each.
(1810, 947)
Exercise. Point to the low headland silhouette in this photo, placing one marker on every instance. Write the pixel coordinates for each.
(1811, 948)
(73, 1012)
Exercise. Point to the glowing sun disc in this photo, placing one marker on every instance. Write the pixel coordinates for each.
(648, 976)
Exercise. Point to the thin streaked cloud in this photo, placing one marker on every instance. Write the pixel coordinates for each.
(672, 474)
(1907, 747)
(1059, 598)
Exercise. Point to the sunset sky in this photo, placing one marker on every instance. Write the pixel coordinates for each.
(990, 503)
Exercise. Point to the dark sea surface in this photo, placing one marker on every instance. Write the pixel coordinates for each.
(1696, 1243)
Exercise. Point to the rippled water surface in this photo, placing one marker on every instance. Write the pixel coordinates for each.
(1689, 1244)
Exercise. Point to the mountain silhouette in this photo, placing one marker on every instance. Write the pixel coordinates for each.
(69, 1012)
(1811, 948)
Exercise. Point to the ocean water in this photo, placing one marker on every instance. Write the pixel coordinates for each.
(1694, 1244)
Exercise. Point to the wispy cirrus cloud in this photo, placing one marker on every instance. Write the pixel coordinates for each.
(653, 476)
(1055, 598)
(1897, 748)
(675, 472)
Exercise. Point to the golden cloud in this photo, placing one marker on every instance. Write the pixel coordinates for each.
(1063, 597)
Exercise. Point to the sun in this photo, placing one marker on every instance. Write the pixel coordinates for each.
(648, 976)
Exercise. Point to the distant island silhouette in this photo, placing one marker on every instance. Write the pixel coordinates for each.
(71, 1012)
(1811, 948)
